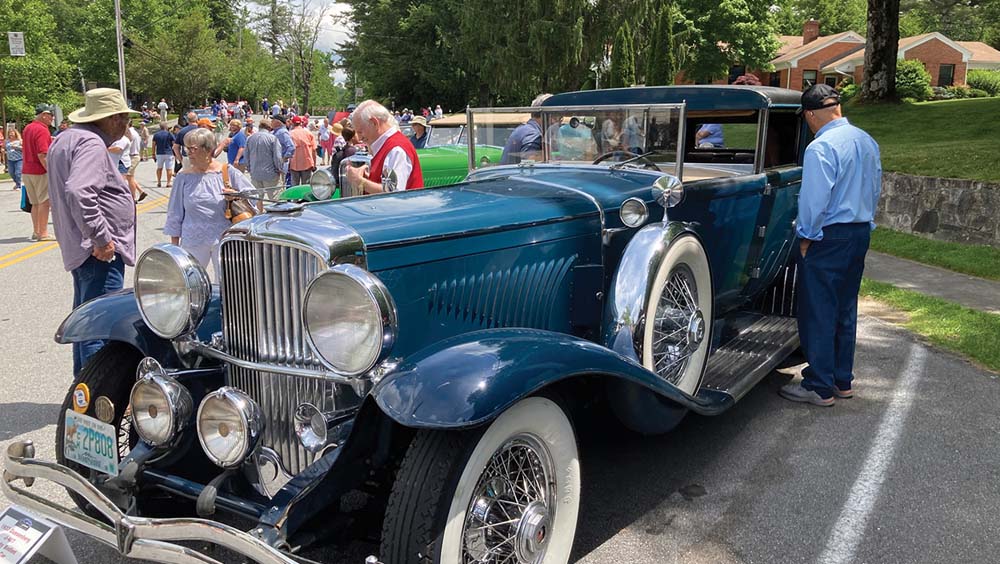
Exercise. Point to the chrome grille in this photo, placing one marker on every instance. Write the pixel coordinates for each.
(263, 285)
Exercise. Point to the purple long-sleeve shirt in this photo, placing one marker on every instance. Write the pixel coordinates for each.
(91, 202)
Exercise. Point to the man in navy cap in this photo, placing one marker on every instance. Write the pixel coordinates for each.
(841, 183)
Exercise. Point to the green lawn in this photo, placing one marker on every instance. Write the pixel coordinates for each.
(977, 260)
(975, 334)
(949, 138)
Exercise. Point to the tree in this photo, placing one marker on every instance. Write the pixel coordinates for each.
(662, 63)
(881, 47)
(732, 32)
(622, 72)
(835, 16)
(299, 43)
(185, 76)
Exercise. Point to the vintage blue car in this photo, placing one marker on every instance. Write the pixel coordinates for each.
(431, 349)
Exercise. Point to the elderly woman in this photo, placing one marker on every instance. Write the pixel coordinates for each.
(196, 214)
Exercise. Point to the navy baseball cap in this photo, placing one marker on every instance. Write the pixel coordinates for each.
(43, 108)
(815, 96)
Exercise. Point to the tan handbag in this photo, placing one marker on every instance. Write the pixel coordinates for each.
(237, 208)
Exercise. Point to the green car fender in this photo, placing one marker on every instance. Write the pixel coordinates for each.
(303, 193)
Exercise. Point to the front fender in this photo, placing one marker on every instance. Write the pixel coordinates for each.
(469, 379)
(115, 317)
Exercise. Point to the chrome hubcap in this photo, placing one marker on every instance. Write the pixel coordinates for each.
(508, 519)
(679, 326)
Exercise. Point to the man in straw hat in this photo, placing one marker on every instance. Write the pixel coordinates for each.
(92, 205)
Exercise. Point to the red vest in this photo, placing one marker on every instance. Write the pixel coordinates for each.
(397, 139)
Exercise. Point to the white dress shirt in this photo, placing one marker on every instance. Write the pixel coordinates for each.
(396, 160)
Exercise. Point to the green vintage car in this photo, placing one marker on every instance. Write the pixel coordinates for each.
(445, 159)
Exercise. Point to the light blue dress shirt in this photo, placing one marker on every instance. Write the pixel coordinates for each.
(841, 179)
(285, 138)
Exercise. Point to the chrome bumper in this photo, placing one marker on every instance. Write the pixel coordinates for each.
(135, 537)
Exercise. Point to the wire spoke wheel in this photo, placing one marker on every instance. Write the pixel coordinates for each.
(679, 316)
(512, 504)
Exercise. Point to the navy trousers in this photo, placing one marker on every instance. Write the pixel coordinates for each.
(828, 283)
(92, 279)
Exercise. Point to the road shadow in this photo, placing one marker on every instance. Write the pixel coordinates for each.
(24, 417)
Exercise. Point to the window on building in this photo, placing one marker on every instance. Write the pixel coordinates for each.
(946, 77)
(830, 80)
(808, 78)
(735, 72)
(775, 79)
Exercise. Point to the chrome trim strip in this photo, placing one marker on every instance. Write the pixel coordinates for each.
(136, 537)
(206, 350)
(569, 109)
(759, 154)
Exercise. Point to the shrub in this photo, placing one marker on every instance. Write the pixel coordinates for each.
(941, 93)
(748, 79)
(977, 93)
(848, 91)
(987, 80)
(913, 80)
(959, 91)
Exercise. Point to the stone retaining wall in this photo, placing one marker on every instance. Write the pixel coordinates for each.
(963, 211)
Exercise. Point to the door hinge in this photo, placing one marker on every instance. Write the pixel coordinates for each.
(768, 189)
(755, 272)
(761, 230)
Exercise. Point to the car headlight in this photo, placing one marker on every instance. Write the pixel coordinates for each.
(350, 319)
(321, 183)
(160, 406)
(172, 290)
(229, 424)
(633, 212)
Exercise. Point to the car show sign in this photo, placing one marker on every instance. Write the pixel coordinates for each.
(22, 535)
(16, 41)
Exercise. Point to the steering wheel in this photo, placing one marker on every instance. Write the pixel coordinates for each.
(622, 155)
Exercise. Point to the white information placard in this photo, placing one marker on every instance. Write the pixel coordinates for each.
(22, 535)
(16, 41)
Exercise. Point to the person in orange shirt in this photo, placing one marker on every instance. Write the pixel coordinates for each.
(303, 161)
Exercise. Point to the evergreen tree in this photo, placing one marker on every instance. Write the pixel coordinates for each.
(622, 72)
(662, 61)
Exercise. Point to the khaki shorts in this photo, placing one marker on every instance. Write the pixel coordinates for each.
(37, 186)
(132, 167)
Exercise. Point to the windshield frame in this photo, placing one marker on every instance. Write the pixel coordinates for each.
(681, 107)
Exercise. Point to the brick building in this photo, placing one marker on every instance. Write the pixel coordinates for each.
(803, 60)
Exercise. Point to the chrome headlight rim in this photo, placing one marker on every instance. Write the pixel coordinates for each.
(176, 397)
(633, 212)
(196, 283)
(380, 298)
(248, 416)
(321, 184)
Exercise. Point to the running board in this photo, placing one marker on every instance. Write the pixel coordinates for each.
(735, 367)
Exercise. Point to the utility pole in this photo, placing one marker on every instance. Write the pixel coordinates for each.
(121, 49)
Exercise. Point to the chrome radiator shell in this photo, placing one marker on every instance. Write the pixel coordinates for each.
(263, 283)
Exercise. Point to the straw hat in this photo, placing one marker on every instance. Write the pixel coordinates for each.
(419, 120)
(337, 129)
(100, 103)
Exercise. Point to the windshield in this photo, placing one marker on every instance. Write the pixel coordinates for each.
(583, 134)
(444, 135)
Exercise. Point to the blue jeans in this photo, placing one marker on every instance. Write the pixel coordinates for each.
(14, 168)
(92, 279)
(829, 281)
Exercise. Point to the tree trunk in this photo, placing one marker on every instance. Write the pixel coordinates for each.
(880, 51)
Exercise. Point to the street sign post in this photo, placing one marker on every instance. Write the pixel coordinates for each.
(15, 39)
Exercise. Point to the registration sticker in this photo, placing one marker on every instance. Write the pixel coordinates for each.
(91, 442)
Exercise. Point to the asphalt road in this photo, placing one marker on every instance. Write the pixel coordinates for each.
(906, 472)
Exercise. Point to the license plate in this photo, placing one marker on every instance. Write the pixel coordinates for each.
(91, 442)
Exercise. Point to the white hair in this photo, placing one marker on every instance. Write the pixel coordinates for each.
(201, 137)
(371, 109)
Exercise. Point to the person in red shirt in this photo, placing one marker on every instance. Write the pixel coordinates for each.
(394, 164)
(37, 138)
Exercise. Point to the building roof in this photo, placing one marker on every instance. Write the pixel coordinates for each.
(790, 58)
(981, 52)
(788, 42)
(850, 60)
